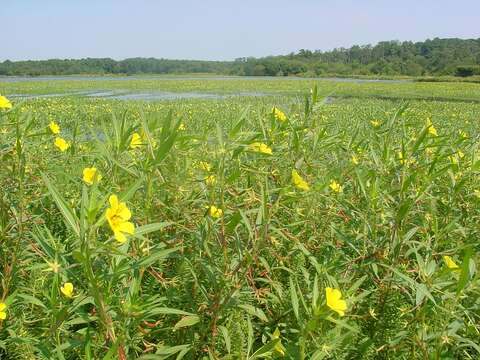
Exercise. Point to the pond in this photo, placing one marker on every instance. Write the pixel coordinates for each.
(144, 95)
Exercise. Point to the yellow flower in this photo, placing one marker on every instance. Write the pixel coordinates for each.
(375, 123)
(210, 180)
(91, 175)
(215, 212)
(279, 348)
(5, 103)
(54, 127)
(354, 160)
(299, 182)
(462, 134)
(205, 166)
(182, 127)
(3, 311)
(450, 263)
(67, 290)
(61, 143)
(336, 187)
(403, 160)
(335, 302)
(453, 159)
(431, 128)
(279, 114)
(136, 141)
(118, 215)
(260, 147)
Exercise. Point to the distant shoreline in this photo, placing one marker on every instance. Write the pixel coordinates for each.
(193, 76)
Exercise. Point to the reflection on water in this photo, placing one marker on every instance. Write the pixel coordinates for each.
(162, 95)
(144, 95)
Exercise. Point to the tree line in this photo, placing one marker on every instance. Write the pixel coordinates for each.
(434, 57)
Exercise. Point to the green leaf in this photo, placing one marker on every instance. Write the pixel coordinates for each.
(254, 311)
(127, 195)
(342, 323)
(164, 351)
(32, 300)
(187, 321)
(465, 274)
(167, 311)
(146, 229)
(68, 214)
(294, 298)
(236, 128)
(154, 256)
(226, 337)
(420, 139)
(112, 352)
(265, 350)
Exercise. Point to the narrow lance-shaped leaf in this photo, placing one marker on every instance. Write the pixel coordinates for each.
(68, 214)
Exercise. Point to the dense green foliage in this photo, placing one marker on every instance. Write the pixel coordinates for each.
(431, 57)
(392, 188)
(110, 66)
(469, 70)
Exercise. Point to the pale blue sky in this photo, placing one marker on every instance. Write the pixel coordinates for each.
(220, 29)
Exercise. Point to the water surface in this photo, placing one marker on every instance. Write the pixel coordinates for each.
(143, 95)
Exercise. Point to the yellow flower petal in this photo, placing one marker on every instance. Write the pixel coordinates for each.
(210, 180)
(279, 114)
(136, 141)
(278, 347)
(215, 212)
(5, 103)
(261, 148)
(90, 175)
(54, 127)
(354, 160)
(431, 129)
(67, 290)
(205, 166)
(336, 187)
(127, 227)
(61, 143)
(113, 200)
(123, 211)
(117, 216)
(299, 182)
(335, 302)
(119, 236)
(450, 263)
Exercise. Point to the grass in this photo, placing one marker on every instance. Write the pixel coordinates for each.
(249, 282)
